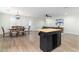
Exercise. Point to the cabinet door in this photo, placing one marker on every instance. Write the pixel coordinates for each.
(49, 43)
(58, 39)
(43, 42)
(46, 43)
(54, 36)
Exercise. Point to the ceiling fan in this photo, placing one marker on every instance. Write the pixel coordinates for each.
(47, 15)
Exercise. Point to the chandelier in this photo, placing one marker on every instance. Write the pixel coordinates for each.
(17, 15)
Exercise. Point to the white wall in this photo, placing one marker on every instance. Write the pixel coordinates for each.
(7, 21)
(4, 21)
(71, 24)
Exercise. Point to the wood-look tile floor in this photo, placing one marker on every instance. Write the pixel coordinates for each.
(31, 43)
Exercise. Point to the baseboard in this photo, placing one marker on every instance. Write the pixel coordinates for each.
(33, 31)
(71, 33)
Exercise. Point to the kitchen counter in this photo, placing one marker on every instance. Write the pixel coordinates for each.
(49, 30)
(62, 28)
(49, 39)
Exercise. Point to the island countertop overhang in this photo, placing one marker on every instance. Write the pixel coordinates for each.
(49, 30)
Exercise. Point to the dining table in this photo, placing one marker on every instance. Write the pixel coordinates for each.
(14, 30)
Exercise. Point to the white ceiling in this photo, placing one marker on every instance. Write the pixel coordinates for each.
(40, 11)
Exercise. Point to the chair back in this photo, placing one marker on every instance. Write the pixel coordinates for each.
(3, 29)
(28, 28)
(20, 28)
(14, 27)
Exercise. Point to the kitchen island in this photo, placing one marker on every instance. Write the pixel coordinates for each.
(49, 39)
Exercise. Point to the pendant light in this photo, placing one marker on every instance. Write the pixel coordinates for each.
(17, 16)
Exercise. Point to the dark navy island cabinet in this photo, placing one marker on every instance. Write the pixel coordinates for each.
(49, 40)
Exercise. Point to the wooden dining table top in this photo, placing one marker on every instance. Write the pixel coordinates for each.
(12, 29)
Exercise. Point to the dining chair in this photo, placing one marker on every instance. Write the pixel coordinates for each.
(13, 32)
(28, 29)
(22, 30)
(3, 31)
